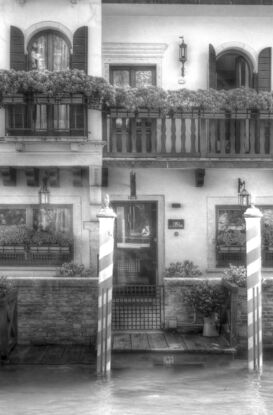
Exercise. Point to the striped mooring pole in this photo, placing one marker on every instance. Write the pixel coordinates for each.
(254, 288)
(106, 218)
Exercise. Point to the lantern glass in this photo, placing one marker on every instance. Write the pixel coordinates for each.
(244, 198)
(43, 196)
(183, 51)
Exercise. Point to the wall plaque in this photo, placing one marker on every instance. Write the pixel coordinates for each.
(175, 223)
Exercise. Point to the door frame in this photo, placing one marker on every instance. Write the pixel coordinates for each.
(160, 201)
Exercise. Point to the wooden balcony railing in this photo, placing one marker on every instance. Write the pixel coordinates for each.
(197, 134)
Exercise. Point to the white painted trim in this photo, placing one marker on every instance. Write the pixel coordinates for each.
(160, 199)
(38, 27)
(251, 53)
(133, 54)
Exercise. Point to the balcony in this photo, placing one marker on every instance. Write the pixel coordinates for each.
(42, 115)
(195, 138)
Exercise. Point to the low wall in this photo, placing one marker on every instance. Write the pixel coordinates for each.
(57, 310)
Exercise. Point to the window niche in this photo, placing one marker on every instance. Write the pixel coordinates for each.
(231, 236)
(34, 235)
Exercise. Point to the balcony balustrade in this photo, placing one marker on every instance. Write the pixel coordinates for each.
(196, 134)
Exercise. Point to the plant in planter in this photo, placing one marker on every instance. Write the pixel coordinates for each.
(206, 299)
(70, 269)
(8, 316)
(187, 269)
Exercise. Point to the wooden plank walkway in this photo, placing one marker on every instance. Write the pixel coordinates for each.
(137, 342)
(168, 342)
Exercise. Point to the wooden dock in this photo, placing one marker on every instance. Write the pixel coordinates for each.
(163, 341)
(152, 342)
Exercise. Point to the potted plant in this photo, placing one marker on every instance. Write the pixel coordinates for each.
(206, 299)
(185, 269)
(8, 316)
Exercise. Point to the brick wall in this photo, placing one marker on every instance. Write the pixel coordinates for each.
(57, 310)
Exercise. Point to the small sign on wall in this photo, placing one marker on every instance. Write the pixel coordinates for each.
(175, 223)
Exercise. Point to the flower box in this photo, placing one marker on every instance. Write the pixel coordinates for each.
(13, 99)
(58, 99)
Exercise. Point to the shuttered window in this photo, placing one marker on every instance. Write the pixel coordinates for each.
(233, 69)
(17, 54)
(264, 70)
(48, 50)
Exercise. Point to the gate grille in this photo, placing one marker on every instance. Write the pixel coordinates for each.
(137, 307)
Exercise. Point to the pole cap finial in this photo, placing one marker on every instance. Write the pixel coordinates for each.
(106, 209)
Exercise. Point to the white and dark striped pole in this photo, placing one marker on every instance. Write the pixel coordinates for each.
(106, 218)
(254, 288)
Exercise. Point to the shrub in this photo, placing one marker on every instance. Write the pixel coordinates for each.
(187, 269)
(6, 286)
(70, 269)
(236, 274)
(205, 298)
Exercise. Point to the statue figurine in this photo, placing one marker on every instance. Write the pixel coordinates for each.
(106, 202)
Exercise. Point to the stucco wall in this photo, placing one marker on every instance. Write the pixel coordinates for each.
(57, 310)
(196, 242)
(249, 28)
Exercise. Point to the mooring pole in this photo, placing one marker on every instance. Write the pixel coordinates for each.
(254, 288)
(106, 218)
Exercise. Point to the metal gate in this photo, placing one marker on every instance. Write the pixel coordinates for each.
(138, 307)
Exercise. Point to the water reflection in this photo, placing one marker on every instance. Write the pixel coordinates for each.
(66, 390)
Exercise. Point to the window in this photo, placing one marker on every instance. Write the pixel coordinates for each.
(231, 236)
(233, 71)
(35, 235)
(48, 50)
(134, 76)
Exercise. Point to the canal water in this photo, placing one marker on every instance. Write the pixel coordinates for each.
(190, 389)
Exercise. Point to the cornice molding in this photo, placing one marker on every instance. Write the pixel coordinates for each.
(135, 50)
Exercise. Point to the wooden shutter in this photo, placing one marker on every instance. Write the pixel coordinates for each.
(17, 52)
(264, 70)
(80, 49)
(212, 68)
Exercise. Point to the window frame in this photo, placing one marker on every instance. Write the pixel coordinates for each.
(39, 254)
(237, 254)
(49, 33)
(132, 69)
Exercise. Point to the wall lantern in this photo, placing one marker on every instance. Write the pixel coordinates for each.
(132, 185)
(244, 198)
(44, 192)
(183, 54)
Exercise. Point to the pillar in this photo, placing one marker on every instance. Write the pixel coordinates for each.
(254, 288)
(106, 218)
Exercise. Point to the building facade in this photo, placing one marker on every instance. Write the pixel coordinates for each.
(173, 178)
